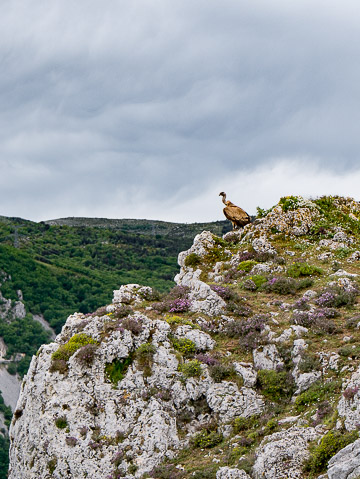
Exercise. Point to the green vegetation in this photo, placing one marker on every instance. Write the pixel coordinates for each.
(184, 345)
(144, 354)
(6, 411)
(192, 260)
(276, 386)
(329, 445)
(66, 350)
(4, 456)
(22, 335)
(247, 265)
(316, 393)
(190, 369)
(206, 439)
(303, 269)
(116, 370)
(61, 422)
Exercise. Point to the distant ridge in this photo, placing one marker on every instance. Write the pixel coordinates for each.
(143, 226)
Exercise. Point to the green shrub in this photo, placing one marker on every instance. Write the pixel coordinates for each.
(329, 445)
(52, 465)
(206, 439)
(245, 423)
(317, 392)
(58, 365)
(116, 370)
(144, 355)
(274, 385)
(303, 269)
(184, 345)
(190, 369)
(289, 203)
(247, 265)
(342, 253)
(179, 320)
(219, 372)
(66, 350)
(61, 422)
(192, 260)
(350, 351)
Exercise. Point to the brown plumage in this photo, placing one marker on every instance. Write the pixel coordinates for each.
(236, 215)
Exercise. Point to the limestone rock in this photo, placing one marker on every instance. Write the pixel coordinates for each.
(246, 370)
(203, 298)
(201, 245)
(228, 401)
(131, 294)
(231, 473)
(267, 357)
(203, 341)
(281, 455)
(349, 405)
(346, 463)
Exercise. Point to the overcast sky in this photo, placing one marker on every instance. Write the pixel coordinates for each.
(150, 108)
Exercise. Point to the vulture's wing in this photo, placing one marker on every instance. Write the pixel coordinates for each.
(237, 215)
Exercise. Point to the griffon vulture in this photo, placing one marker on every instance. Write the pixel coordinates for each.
(236, 215)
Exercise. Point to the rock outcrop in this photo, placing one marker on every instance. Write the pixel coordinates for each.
(238, 373)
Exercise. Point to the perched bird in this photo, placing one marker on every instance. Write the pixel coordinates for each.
(236, 215)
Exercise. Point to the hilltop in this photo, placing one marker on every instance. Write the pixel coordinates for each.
(248, 368)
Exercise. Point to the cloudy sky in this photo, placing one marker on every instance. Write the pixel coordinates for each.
(150, 108)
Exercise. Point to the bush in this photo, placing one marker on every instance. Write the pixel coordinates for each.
(352, 323)
(281, 285)
(248, 331)
(219, 372)
(309, 363)
(206, 439)
(144, 354)
(66, 350)
(116, 370)
(350, 351)
(335, 297)
(254, 282)
(317, 392)
(86, 354)
(274, 385)
(58, 365)
(303, 269)
(191, 368)
(245, 423)
(247, 265)
(329, 445)
(184, 345)
(61, 422)
(192, 260)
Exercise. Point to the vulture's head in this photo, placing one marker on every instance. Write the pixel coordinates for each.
(222, 194)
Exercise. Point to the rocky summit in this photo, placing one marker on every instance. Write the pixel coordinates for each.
(247, 368)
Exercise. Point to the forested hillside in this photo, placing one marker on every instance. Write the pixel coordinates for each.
(61, 269)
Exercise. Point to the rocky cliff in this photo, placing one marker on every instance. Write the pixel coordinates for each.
(248, 368)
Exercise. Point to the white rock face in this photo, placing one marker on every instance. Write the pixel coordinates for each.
(267, 358)
(203, 298)
(142, 409)
(229, 473)
(226, 399)
(201, 245)
(346, 463)
(131, 294)
(281, 455)
(349, 407)
(246, 371)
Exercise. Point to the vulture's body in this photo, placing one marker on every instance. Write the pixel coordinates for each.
(235, 214)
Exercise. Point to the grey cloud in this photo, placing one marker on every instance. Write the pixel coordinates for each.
(164, 97)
